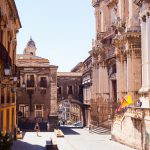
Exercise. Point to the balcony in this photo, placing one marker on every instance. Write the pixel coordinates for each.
(43, 84)
(101, 35)
(95, 3)
(30, 83)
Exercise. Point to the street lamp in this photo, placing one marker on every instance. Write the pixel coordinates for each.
(23, 85)
(7, 70)
(15, 78)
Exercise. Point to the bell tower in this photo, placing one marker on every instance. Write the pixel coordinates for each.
(30, 48)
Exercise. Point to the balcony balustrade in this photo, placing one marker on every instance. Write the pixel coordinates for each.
(30, 83)
(43, 84)
(101, 35)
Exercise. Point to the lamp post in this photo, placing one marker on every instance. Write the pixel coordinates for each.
(7, 70)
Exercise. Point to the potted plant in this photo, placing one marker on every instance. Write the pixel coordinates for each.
(6, 141)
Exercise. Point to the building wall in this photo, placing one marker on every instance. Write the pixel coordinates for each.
(132, 128)
(37, 89)
(9, 26)
(115, 53)
(70, 96)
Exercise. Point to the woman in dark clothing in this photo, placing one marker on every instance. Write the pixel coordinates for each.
(37, 128)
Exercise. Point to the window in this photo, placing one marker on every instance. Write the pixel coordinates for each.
(38, 110)
(1, 36)
(8, 95)
(1, 119)
(38, 114)
(59, 90)
(30, 81)
(2, 96)
(24, 109)
(70, 90)
(43, 82)
(38, 107)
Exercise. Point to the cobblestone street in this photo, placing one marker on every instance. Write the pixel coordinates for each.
(75, 139)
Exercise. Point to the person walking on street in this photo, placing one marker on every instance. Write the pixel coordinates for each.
(48, 126)
(37, 128)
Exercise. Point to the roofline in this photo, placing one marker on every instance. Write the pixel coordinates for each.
(67, 74)
(87, 58)
(18, 18)
(80, 63)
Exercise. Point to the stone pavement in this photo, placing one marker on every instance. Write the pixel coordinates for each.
(75, 139)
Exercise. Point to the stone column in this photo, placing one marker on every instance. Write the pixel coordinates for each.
(98, 19)
(133, 15)
(143, 50)
(53, 116)
(129, 74)
(148, 46)
(118, 78)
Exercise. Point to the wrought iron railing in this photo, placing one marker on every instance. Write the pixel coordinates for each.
(43, 84)
(30, 83)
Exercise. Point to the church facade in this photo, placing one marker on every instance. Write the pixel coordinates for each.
(120, 66)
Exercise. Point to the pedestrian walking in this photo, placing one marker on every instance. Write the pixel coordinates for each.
(37, 128)
(48, 126)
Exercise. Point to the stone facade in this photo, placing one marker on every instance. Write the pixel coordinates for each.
(37, 89)
(69, 95)
(9, 26)
(87, 89)
(120, 66)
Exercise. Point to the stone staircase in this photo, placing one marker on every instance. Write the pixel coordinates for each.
(100, 130)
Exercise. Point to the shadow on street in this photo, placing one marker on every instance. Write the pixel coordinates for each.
(25, 146)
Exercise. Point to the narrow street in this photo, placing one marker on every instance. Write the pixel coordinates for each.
(75, 139)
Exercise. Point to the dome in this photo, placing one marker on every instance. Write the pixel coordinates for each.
(31, 43)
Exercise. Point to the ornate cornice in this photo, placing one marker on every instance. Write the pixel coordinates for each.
(111, 3)
(95, 3)
(127, 36)
(128, 45)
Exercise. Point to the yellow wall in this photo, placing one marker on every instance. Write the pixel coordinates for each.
(11, 123)
(9, 26)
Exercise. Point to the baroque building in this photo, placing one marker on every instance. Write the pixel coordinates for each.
(135, 122)
(9, 26)
(37, 89)
(87, 89)
(120, 66)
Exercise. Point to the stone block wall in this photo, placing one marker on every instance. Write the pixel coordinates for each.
(132, 128)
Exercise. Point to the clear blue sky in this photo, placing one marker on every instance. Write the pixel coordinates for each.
(62, 29)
